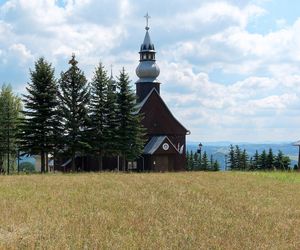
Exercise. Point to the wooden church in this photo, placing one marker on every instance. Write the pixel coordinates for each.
(165, 149)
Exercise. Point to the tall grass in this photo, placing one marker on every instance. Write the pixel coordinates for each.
(151, 211)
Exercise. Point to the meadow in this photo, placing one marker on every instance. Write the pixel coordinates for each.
(193, 210)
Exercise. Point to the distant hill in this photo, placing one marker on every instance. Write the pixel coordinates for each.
(219, 149)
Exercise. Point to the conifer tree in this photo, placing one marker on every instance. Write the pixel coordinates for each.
(282, 162)
(232, 160)
(255, 161)
(74, 98)
(270, 160)
(10, 113)
(98, 114)
(204, 162)
(37, 131)
(197, 162)
(244, 160)
(130, 134)
(216, 166)
(238, 158)
(263, 160)
(111, 110)
(188, 161)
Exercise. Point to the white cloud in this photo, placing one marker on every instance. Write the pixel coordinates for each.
(255, 88)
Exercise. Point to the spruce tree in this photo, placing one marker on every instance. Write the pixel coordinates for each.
(112, 125)
(263, 160)
(270, 160)
(10, 113)
(238, 158)
(204, 162)
(37, 130)
(98, 114)
(130, 134)
(244, 160)
(232, 159)
(282, 162)
(74, 98)
(189, 165)
(216, 166)
(255, 161)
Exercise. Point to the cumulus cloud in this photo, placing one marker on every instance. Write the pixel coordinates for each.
(223, 80)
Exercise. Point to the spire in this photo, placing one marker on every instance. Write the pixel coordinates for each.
(147, 71)
(111, 72)
(112, 80)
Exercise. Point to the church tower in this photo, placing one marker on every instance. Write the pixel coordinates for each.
(147, 70)
(166, 143)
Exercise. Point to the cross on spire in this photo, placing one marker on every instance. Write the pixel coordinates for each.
(147, 21)
(111, 70)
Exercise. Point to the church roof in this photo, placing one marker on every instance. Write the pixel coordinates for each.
(155, 143)
(140, 105)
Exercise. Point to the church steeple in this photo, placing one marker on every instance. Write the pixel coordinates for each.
(147, 70)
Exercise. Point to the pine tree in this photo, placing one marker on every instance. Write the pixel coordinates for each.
(10, 113)
(189, 160)
(196, 162)
(112, 126)
(263, 160)
(37, 130)
(244, 160)
(216, 166)
(255, 161)
(98, 114)
(270, 160)
(74, 98)
(232, 160)
(282, 162)
(238, 158)
(130, 134)
(204, 162)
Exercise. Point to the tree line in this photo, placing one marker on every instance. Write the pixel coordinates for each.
(238, 159)
(70, 116)
(198, 162)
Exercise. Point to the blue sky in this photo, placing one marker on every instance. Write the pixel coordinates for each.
(230, 70)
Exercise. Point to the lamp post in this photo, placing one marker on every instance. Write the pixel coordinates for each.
(199, 152)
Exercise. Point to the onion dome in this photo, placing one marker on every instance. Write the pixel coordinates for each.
(147, 70)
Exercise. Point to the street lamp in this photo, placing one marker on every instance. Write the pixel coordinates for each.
(199, 152)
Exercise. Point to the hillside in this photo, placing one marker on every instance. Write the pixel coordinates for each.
(151, 211)
(220, 149)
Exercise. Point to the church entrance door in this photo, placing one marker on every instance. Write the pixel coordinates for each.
(161, 163)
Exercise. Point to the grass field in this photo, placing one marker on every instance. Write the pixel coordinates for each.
(151, 211)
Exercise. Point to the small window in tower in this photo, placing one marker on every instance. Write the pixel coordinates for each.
(144, 56)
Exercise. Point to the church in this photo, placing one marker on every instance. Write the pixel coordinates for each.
(165, 149)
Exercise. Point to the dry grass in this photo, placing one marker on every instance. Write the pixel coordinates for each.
(151, 211)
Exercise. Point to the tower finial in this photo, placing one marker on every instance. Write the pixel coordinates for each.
(147, 21)
(111, 71)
